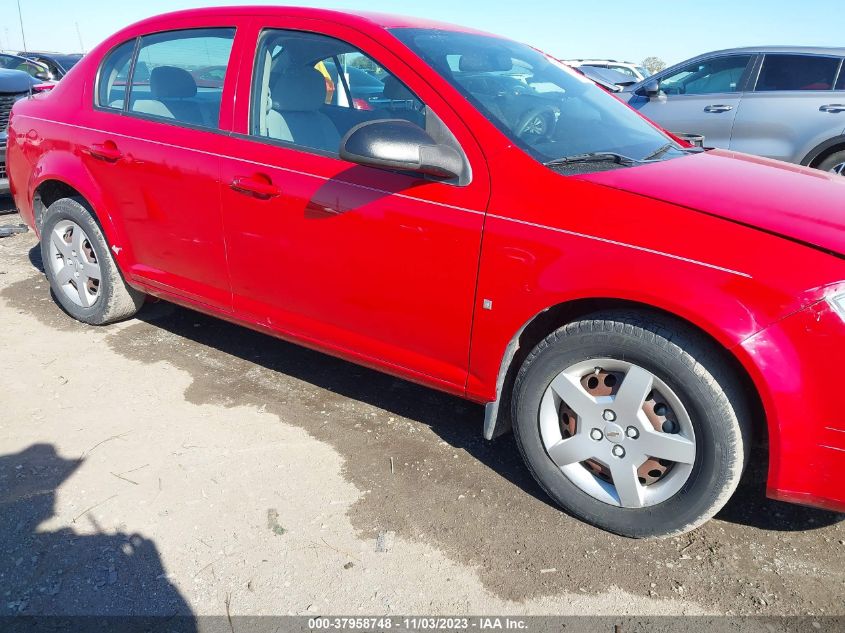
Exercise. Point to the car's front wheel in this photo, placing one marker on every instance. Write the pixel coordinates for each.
(834, 164)
(83, 276)
(632, 423)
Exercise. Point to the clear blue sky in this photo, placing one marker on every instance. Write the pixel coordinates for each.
(670, 29)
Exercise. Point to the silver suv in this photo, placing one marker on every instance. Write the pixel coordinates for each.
(780, 102)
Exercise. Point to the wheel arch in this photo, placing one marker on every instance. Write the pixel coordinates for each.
(497, 420)
(60, 175)
(823, 150)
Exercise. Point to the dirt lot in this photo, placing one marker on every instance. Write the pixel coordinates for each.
(175, 463)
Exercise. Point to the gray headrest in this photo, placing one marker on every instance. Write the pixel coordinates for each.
(395, 90)
(300, 89)
(485, 61)
(169, 82)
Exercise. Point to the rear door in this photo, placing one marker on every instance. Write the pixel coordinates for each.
(701, 98)
(151, 143)
(793, 107)
(375, 265)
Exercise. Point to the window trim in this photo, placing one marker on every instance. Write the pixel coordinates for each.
(840, 77)
(131, 77)
(741, 86)
(249, 136)
(99, 76)
(762, 62)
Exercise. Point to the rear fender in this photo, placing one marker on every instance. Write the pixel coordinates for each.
(63, 167)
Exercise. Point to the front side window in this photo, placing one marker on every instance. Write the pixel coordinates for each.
(310, 89)
(540, 104)
(840, 84)
(797, 72)
(722, 74)
(178, 76)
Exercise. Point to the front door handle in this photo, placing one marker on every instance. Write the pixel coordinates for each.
(105, 151)
(718, 108)
(833, 108)
(256, 186)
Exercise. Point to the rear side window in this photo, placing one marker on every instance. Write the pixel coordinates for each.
(114, 77)
(797, 72)
(179, 76)
(840, 85)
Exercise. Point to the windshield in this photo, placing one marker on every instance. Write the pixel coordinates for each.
(544, 107)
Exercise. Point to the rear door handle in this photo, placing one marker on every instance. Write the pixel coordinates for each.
(718, 108)
(833, 108)
(256, 187)
(105, 151)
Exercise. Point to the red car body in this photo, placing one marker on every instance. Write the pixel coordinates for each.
(441, 284)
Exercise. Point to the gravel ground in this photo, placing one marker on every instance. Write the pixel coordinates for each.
(179, 464)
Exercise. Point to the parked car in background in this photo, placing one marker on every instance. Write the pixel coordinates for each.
(634, 72)
(58, 64)
(610, 80)
(14, 86)
(31, 67)
(782, 102)
(635, 309)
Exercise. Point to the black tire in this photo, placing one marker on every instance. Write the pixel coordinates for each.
(685, 361)
(116, 300)
(832, 161)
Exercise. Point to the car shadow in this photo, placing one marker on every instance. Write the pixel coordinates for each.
(456, 421)
(68, 573)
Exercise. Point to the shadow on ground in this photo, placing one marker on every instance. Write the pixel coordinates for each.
(424, 472)
(72, 571)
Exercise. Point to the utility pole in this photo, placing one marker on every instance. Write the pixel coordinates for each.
(20, 17)
(79, 35)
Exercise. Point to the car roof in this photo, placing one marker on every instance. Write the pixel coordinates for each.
(807, 50)
(351, 18)
(602, 61)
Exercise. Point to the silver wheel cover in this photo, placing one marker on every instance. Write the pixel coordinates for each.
(615, 436)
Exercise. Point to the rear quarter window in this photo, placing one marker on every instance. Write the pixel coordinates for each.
(113, 78)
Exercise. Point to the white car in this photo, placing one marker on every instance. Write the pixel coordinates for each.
(635, 71)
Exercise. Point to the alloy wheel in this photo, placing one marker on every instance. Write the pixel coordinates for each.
(617, 432)
(838, 169)
(74, 264)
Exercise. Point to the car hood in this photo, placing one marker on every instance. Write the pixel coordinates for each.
(797, 203)
(14, 81)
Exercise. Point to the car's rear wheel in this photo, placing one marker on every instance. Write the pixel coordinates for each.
(633, 424)
(83, 276)
(835, 164)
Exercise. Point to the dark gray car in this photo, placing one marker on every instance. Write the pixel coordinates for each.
(780, 102)
(14, 85)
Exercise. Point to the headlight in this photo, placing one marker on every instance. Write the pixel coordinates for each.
(837, 302)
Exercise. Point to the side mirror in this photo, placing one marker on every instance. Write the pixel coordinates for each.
(43, 75)
(399, 144)
(651, 89)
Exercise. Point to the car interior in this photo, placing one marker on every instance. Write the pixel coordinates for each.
(300, 97)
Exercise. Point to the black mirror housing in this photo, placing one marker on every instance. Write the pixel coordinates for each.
(651, 89)
(400, 145)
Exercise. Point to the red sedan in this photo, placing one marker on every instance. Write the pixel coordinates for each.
(495, 226)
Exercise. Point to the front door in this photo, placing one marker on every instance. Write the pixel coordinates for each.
(376, 265)
(700, 98)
